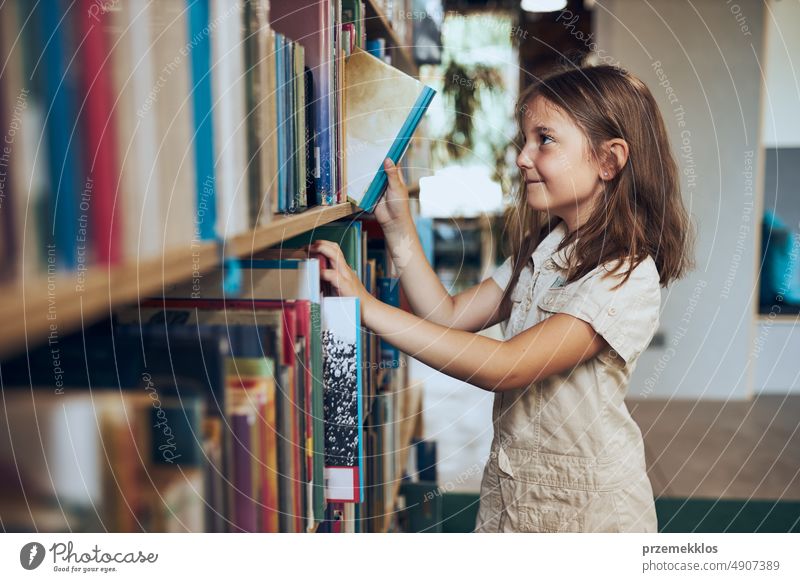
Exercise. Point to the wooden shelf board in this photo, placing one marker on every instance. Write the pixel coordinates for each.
(284, 227)
(43, 305)
(378, 25)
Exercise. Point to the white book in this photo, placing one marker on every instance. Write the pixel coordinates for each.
(137, 129)
(230, 117)
(170, 96)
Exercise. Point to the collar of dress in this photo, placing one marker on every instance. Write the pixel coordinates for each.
(546, 249)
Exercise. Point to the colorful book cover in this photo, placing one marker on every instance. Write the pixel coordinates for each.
(384, 107)
(342, 381)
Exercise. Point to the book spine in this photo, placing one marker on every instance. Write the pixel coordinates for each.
(101, 138)
(64, 157)
(318, 411)
(9, 243)
(202, 107)
(300, 124)
(281, 126)
(243, 504)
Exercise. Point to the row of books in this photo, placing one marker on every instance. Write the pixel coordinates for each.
(273, 411)
(136, 127)
(133, 128)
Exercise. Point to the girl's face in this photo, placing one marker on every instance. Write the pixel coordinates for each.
(559, 176)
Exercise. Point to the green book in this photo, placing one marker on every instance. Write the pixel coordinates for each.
(346, 234)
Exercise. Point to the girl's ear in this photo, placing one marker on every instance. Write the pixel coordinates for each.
(616, 156)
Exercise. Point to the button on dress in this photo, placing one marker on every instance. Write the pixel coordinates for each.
(566, 455)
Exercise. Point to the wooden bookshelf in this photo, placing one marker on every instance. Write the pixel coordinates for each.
(40, 309)
(378, 25)
(33, 310)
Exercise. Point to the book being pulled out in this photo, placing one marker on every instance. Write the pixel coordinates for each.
(383, 107)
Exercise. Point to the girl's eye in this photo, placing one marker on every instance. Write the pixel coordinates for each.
(544, 137)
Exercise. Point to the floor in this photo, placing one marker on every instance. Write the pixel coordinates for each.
(723, 450)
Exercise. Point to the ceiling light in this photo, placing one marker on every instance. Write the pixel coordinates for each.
(543, 5)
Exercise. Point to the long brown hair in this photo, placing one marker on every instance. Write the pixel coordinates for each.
(640, 211)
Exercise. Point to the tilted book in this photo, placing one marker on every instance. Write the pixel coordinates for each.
(384, 107)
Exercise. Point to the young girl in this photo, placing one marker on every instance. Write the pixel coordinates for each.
(598, 228)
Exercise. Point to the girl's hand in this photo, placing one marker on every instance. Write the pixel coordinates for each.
(393, 211)
(341, 277)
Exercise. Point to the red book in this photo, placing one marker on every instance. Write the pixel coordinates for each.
(100, 131)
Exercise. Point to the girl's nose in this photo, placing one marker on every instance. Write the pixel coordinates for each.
(524, 161)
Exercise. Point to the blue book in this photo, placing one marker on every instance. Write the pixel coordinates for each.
(377, 47)
(60, 84)
(291, 142)
(384, 107)
(281, 117)
(202, 106)
(389, 293)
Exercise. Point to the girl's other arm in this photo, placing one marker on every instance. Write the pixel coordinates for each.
(555, 345)
(472, 310)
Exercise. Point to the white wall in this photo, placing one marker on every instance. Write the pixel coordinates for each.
(710, 60)
(777, 370)
(777, 342)
(782, 98)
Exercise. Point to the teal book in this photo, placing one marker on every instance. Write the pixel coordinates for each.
(383, 109)
(202, 108)
(59, 75)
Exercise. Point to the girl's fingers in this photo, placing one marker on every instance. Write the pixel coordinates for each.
(324, 249)
(330, 276)
(331, 250)
(392, 174)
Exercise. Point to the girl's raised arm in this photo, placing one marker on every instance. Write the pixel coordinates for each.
(472, 310)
